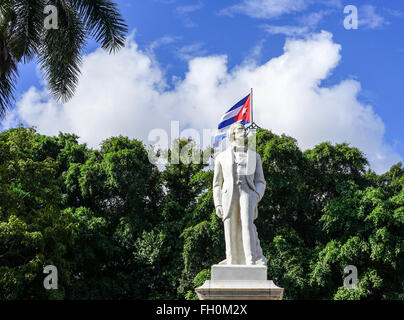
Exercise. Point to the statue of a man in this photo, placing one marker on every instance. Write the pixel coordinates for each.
(238, 186)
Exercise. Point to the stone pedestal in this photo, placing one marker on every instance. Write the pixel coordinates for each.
(239, 282)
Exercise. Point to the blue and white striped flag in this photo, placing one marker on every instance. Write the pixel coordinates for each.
(241, 111)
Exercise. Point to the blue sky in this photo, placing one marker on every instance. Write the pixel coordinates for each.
(238, 44)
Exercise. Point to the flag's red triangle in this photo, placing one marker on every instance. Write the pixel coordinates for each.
(245, 111)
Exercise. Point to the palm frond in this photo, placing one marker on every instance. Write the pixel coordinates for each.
(60, 52)
(23, 36)
(8, 74)
(26, 28)
(104, 21)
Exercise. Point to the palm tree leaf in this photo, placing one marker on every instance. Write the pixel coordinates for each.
(60, 52)
(103, 20)
(8, 74)
(25, 35)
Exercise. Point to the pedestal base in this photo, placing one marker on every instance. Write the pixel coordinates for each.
(239, 282)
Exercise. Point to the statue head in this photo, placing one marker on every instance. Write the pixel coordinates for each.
(236, 133)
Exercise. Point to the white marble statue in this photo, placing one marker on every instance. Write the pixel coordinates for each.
(238, 186)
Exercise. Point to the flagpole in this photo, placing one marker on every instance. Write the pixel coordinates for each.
(252, 114)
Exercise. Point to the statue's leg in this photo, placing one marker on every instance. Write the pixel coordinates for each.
(231, 230)
(239, 242)
(227, 238)
(236, 245)
(247, 216)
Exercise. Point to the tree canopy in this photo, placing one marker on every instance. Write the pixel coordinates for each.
(117, 227)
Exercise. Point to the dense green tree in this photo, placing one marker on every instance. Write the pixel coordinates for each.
(117, 227)
(114, 194)
(365, 229)
(184, 181)
(34, 232)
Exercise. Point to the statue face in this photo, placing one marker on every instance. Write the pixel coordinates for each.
(239, 135)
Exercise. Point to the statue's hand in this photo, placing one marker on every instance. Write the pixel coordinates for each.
(219, 212)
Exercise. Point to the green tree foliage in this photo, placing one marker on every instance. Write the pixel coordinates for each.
(34, 232)
(117, 227)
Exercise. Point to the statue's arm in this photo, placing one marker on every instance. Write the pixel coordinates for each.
(217, 183)
(259, 178)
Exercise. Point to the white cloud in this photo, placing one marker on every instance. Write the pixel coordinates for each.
(184, 13)
(188, 8)
(394, 13)
(290, 31)
(255, 53)
(191, 51)
(162, 42)
(127, 94)
(311, 20)
(368, 17)
(306, 24)
(266, 8)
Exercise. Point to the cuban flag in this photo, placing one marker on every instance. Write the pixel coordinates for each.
(240, 112)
